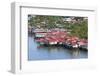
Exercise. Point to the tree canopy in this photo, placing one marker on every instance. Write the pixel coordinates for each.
(79, 28)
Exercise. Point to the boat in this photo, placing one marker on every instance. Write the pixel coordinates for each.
(67, 45)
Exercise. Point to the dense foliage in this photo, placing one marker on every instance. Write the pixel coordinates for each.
(79, 28)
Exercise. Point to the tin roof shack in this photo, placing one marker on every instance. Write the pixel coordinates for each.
(58, 37)
(38, 33)
(83, 44)
(37, 30)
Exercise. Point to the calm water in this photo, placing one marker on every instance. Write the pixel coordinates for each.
(37, 52)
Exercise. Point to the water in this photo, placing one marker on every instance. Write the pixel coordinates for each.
(39, 52)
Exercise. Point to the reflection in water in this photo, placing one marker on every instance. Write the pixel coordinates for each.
(75, 53)
(40, 52)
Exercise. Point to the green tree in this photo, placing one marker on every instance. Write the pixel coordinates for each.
(80, 29)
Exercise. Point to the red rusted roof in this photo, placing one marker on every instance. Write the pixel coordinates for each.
(40, 40)
(61, 36)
